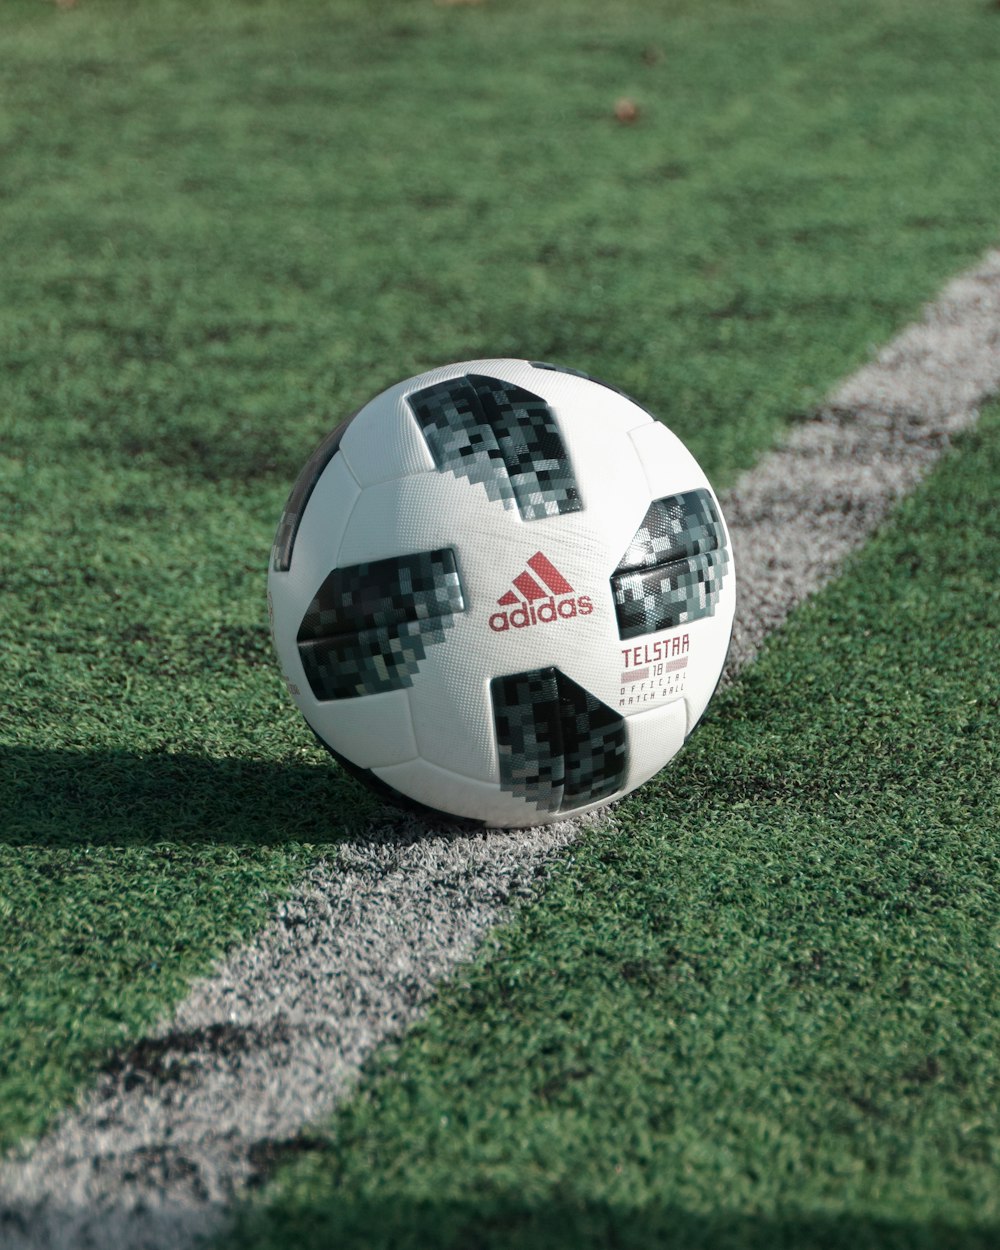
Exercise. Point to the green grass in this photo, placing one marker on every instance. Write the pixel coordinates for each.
(156, 795)
(759, 1008)
(229, 223)
(224, 225)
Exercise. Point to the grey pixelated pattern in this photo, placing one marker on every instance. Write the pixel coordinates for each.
(674, 568)
(660, 598)
(559, 747)
(502, 437)
(677, 526)
(369, 625)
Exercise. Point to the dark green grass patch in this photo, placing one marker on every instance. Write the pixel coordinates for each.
(759, 1008)
(224, 225)
(122, 874)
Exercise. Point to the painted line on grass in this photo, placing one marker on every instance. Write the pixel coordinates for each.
(185, 1118)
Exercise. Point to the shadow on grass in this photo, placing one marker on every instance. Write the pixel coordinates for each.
(499, 1223)
(123, 798)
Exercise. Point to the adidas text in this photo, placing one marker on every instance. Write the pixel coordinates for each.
(543, 613)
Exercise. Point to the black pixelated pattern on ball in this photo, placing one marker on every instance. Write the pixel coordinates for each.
(369, 626)
(502, 437)
(593, 745)
(674, 568)
(559, 747)
(529, 737)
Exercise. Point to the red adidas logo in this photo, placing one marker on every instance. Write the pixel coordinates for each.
(541, 580)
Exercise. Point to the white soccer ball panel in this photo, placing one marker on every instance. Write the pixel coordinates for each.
(462, 796)
(668, 467)
(655, 735)
(391, 446)
(452, 713)
(371, 732)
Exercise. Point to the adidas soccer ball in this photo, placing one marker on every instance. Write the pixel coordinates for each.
(502, 591)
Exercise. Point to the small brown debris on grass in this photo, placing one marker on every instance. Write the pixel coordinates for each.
(626, 110)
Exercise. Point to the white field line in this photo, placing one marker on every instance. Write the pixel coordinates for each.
(272, 1040)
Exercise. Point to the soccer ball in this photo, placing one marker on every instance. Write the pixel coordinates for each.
(502, 591)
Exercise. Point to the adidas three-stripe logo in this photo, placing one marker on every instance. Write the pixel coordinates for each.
(529, 588)
(538, 597)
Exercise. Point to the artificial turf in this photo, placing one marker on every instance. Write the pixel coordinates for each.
(758, 1007)
(224, 225)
